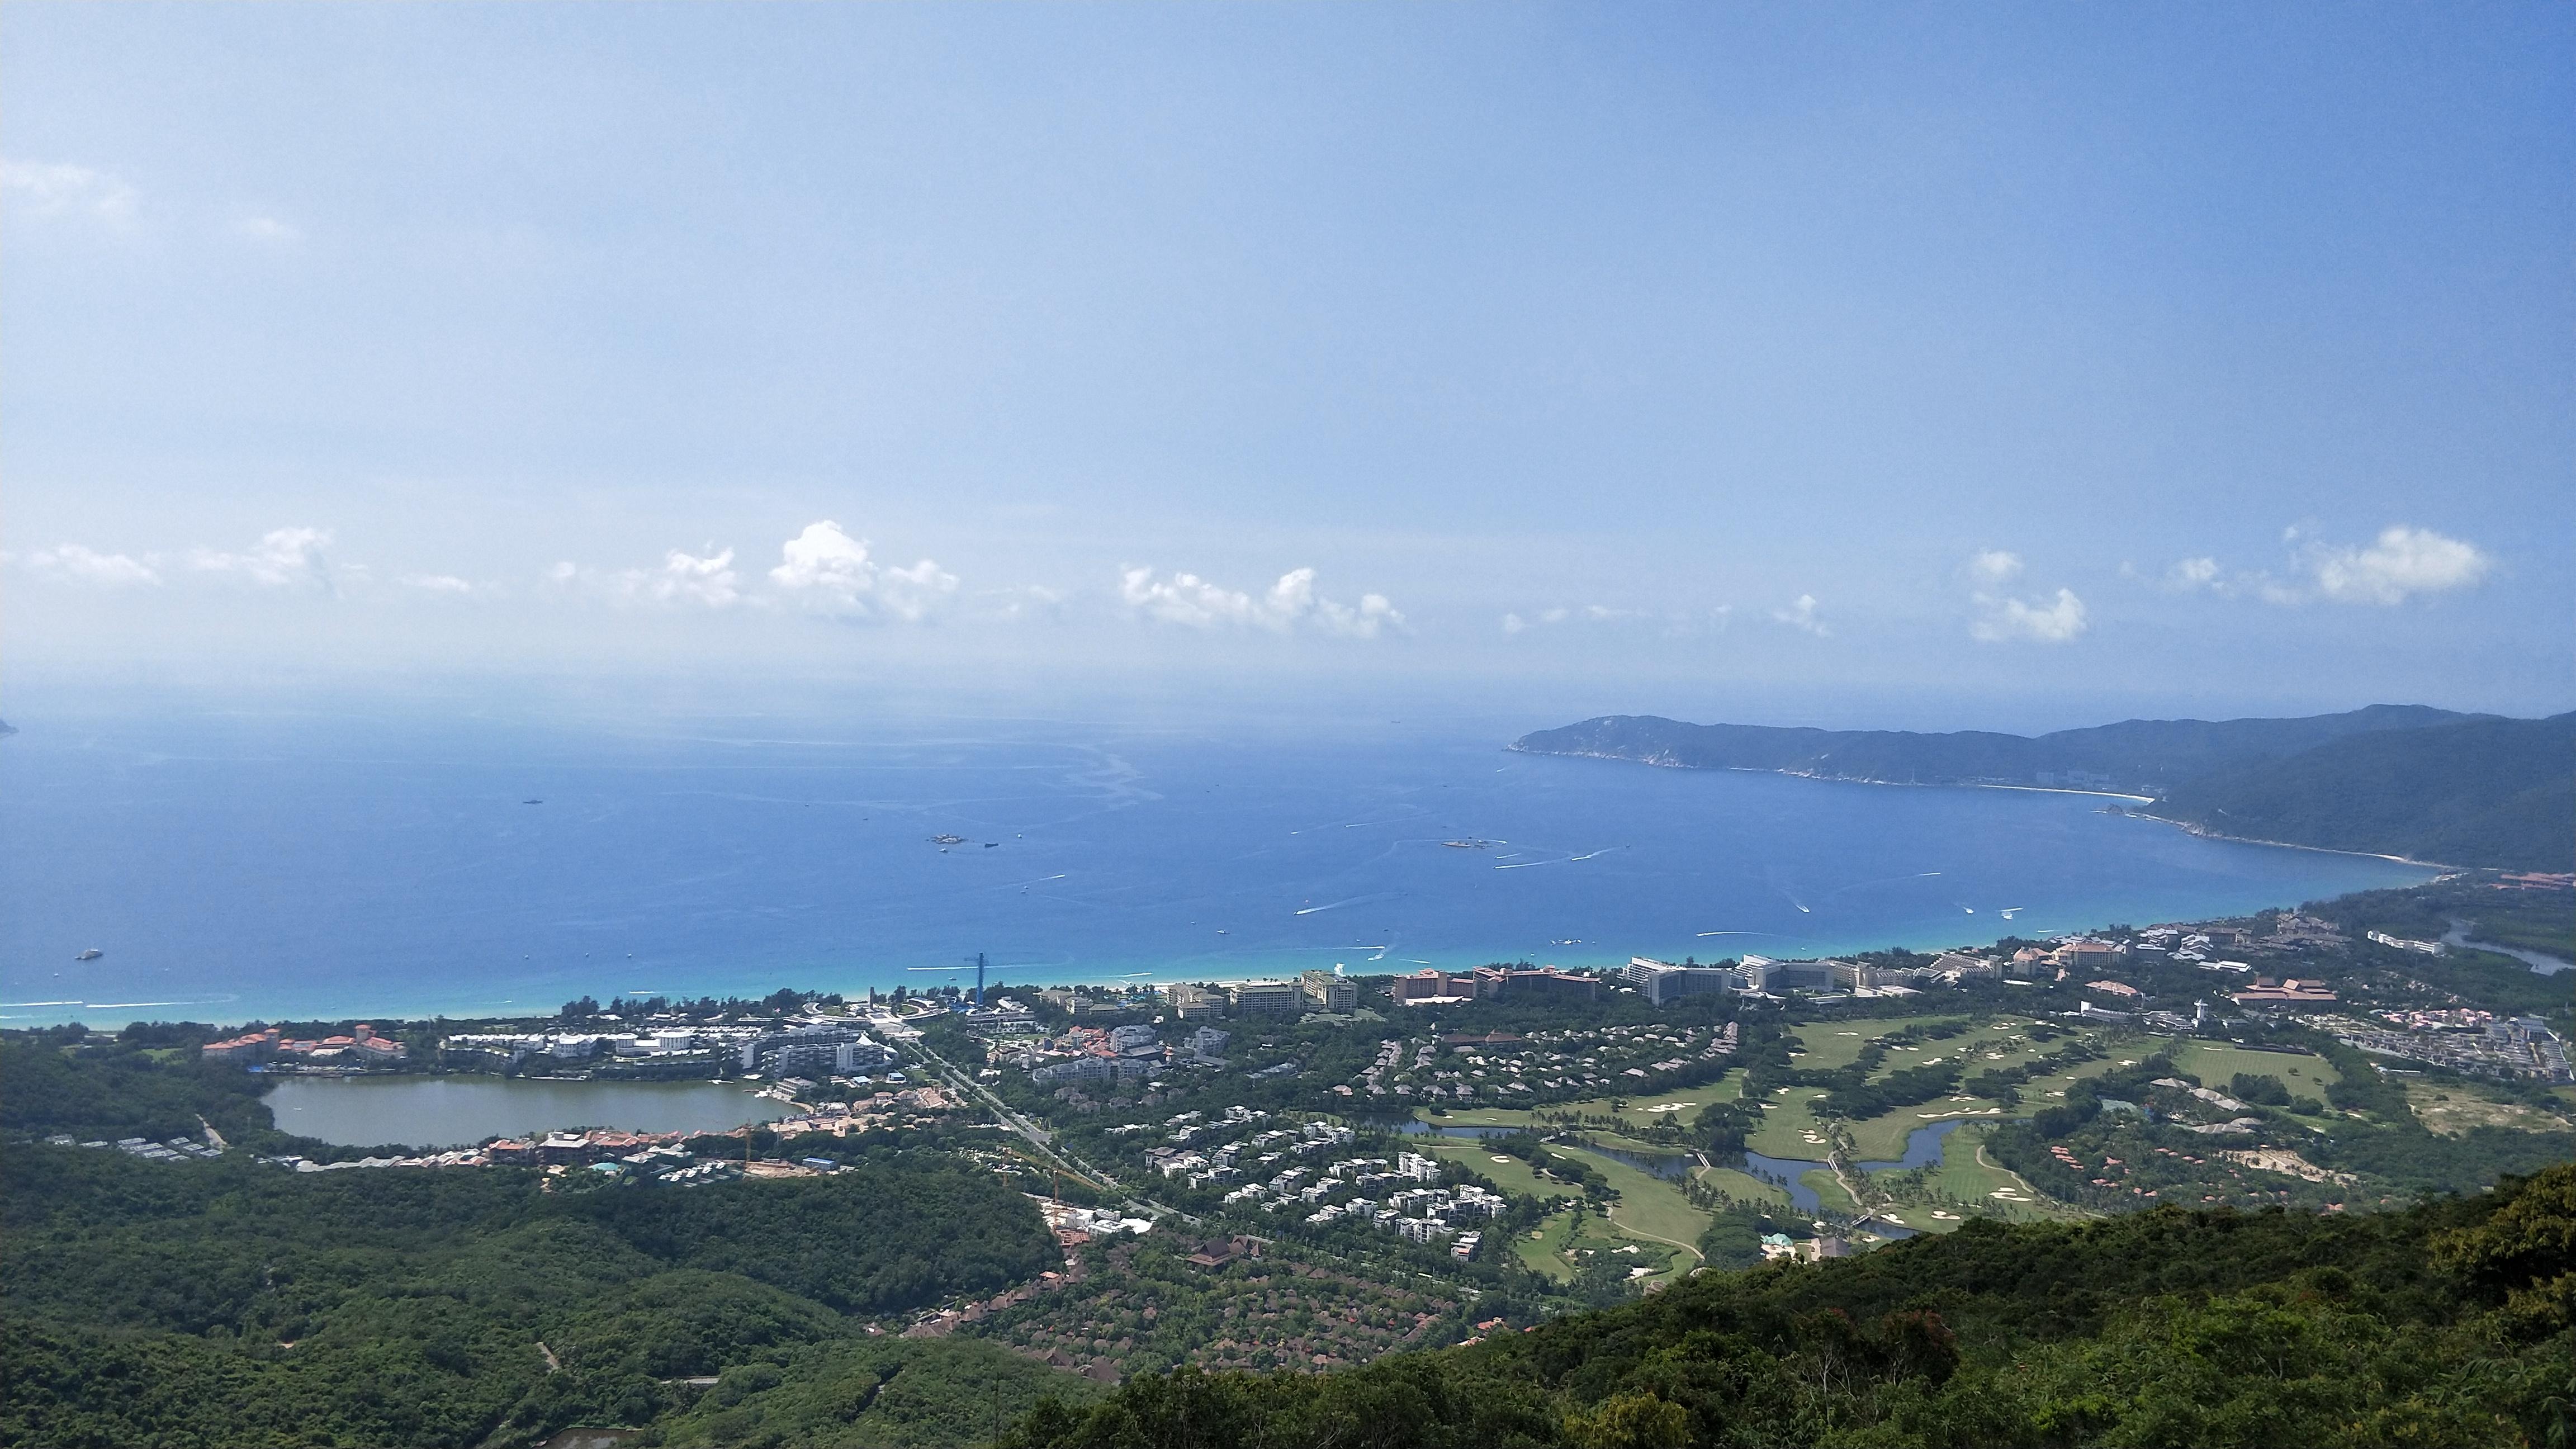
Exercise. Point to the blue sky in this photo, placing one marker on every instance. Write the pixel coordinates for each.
(2005, 366)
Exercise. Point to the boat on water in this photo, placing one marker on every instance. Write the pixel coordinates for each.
(92, 954)
(948, 840)
(1471, 844)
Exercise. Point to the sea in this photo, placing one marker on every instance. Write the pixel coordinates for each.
(299, 865)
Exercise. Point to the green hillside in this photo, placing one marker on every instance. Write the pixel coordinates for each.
(2483, 792)
(2449, 1324)
(2135, 755)
(2388, 780)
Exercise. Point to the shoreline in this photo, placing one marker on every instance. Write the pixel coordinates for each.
(1515, 749)
(2204, 833)
(2187, 827)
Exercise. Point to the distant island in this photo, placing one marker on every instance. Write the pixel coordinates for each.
(2405, 780)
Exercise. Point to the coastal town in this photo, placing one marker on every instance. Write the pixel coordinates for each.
(1526, 1137)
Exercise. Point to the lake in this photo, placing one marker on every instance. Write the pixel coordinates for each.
(1923, 1148)
(290, 866)
(461, 1111)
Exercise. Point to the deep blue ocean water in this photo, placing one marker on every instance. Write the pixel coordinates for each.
(253, 865)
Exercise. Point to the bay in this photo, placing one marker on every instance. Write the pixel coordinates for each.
(302, 866)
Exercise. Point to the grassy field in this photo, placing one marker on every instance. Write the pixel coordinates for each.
(2454, 1110)
(1637, 1111)
(1510, 1174)
(1829, 1189)
(2039, 1090)
(1828, 1045)
(1965, 1173)
(1742, 1187)
(1648, 1206)
(2305, 1074)
(1543, 1250)
(1789, 1126)
(1883, 1139)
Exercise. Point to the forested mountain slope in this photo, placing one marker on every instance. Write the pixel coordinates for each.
(2406, 780)
(2487, 792)
(2135, 755)
(2448, 1324)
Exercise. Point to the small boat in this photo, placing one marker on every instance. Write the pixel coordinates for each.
(532, 802)
(92, 954)
(948, 840)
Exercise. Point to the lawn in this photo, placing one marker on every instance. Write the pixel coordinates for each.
(1743, 1187)
(2038, 1091)
(2306, 1074)
(1510, 1174)
(1638, 1111)
(1828, 1045)
(2453, 1110)
(1788, 1124)
(1648, 1206)
(1965, 1176)
(1543, 1249)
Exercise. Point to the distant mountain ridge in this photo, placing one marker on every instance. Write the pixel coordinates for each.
(2389, 779)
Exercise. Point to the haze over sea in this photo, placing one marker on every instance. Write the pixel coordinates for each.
(297, 865)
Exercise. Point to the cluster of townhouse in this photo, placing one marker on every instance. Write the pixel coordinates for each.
(2477, 1043)
(2206, 945)
(361, 1047)
(713, 1044)
(175, 1150)
(1499, 1066)
(1106, 1056)
(1420, 1213)
(820, 1044)
(1193, 1149)
(864, 1111)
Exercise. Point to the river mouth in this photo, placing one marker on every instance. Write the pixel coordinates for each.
(2540, 963)
(445, 1112)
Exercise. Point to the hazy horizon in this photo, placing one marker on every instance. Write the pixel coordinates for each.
(2013, 370)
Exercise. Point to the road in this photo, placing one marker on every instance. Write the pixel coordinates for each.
(1038, 1137)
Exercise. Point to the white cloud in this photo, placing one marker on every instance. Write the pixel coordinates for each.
(2193, 573)
(89, 566)
(54, 191)
(442, 584)
(1187, 599)
(827, 569)
(1802, 615)
(1671, 623)
(2054, 621)
(1994, 566)
(267, 231)
(283, 558)
(687, 578)
(2403, 563)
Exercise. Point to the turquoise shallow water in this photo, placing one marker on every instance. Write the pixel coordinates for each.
(238, 866)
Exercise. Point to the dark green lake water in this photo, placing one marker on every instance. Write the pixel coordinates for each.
(461, 1111)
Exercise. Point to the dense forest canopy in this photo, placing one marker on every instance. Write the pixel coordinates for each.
(2452, 1323)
